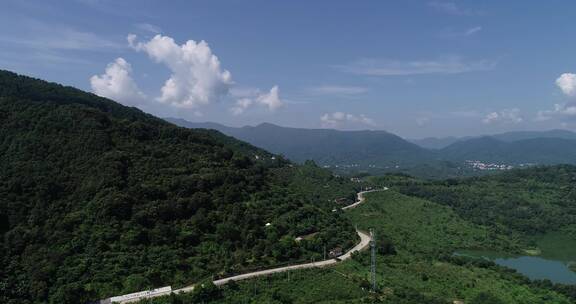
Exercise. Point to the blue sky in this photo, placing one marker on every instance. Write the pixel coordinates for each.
(415, 68)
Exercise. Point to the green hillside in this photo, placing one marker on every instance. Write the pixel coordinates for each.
(98, 199)
(422, 227)
(416, 239)
(524, 202)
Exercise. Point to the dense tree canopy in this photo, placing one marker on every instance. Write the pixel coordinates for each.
(98, 199)
(524, 201)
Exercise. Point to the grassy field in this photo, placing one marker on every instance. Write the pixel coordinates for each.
(525, 203)
(418, 226)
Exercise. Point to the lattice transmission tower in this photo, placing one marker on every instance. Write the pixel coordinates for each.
(373, 260)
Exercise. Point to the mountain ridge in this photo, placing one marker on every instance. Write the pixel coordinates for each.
(368, 149)
(365, 147)
(545, 151)
(443, 142)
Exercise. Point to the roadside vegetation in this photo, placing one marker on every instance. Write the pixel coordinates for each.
(415, 264)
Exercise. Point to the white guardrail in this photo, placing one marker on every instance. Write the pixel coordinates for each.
(133, 297)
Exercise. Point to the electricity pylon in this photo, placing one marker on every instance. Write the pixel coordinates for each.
(373, 260)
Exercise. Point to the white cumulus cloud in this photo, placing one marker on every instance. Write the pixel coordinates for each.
(270, 100)
(241, 106)
(197, 76)
(566, 111)
(506, 116)
(116, 83)
(567, 83)
(341, 120)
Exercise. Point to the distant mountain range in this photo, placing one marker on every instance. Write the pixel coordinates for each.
(326, 146)
(436, 143)
(540, 150)
(443, 142)
(384, 150)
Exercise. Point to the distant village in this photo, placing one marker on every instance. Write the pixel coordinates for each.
(360, 166)
(479, 165)
(474, 164)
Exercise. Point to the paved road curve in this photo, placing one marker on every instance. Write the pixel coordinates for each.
(361, 198)
(364, 243)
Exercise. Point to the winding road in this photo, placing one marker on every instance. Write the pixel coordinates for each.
(364, 243)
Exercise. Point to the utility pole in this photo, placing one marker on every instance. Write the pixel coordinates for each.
(373, 260)
(324, 251)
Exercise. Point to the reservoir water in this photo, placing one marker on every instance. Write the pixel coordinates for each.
(558, 252)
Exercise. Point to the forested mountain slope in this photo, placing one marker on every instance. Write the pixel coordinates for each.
(524, 202)
(98, 199)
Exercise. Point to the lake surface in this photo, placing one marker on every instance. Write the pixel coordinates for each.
(558, 251)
